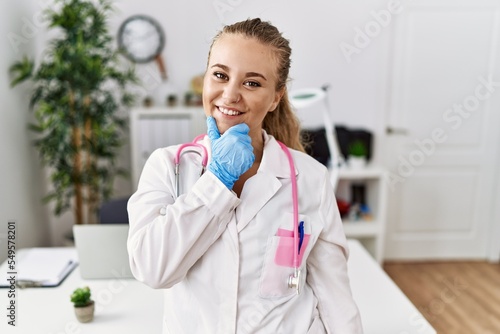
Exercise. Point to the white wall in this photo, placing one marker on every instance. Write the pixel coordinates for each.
(315, 28)
(20, 173)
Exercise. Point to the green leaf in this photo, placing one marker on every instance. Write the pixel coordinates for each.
(21, 71)
(81, 297)
(357, 148)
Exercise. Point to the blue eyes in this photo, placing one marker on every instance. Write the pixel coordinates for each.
(222, 76)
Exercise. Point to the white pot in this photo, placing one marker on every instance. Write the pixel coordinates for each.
(85, 313)
(356, 162)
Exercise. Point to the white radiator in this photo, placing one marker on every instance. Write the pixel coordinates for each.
(152, 128)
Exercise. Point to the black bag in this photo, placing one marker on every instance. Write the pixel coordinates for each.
(317, 146)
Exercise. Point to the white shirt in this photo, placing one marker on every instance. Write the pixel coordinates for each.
(214, 253)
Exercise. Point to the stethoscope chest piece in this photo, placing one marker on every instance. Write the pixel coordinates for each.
(294, 280)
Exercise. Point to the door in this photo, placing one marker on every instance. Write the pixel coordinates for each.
(442, 136)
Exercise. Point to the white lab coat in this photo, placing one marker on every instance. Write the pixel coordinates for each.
(213, 253)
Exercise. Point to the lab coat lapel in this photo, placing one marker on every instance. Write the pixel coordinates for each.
(258, 191)
(261, 187)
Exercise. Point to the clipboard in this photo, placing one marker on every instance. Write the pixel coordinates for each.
(40, 267)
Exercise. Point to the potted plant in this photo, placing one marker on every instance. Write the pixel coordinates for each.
(84, 305)
(357, 155)
(79, 88)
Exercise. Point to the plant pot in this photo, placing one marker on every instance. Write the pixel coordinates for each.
(356, 162)
(85, 313)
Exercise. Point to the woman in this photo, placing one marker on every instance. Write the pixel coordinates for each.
(221, 249)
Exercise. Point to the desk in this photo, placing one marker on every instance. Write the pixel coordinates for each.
(122, 306)
(127, 306)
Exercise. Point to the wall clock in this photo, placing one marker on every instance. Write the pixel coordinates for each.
(141, 39)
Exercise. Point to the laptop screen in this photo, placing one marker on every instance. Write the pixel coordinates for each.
(102, 250)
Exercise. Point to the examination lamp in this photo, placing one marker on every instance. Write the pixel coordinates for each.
(316, 99)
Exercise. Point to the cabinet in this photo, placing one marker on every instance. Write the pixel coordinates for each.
(370, 232)
(155, 127)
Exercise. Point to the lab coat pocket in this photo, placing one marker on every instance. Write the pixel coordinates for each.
(278, 262)
(274, 278)
(285, 252)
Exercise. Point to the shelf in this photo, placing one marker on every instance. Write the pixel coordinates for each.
(166, 111)
(361, 174)
(373, 180)
(361, 228)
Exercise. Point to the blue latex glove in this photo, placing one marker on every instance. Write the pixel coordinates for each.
(232, 153)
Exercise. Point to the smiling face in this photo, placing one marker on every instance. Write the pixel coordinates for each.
(240, 83)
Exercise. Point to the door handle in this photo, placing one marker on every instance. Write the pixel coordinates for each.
(396, 131)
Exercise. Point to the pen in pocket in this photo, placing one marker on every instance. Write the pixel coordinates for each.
(301, 234)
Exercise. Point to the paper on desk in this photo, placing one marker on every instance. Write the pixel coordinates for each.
(47, 266)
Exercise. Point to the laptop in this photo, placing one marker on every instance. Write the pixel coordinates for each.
(102, 250)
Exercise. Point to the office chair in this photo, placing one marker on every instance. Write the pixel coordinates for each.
(313, 110)
(114, 211)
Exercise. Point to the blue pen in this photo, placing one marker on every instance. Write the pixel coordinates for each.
(301, 234)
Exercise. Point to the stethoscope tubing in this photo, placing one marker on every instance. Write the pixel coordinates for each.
(295, 203)
(192, 147)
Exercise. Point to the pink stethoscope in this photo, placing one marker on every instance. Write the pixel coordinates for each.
(293, 281)
(192, 147)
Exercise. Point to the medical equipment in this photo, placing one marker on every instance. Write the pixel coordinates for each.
(193, 147)
(294, 280)
(305, 103)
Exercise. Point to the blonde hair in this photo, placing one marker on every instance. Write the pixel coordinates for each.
(282, 123)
